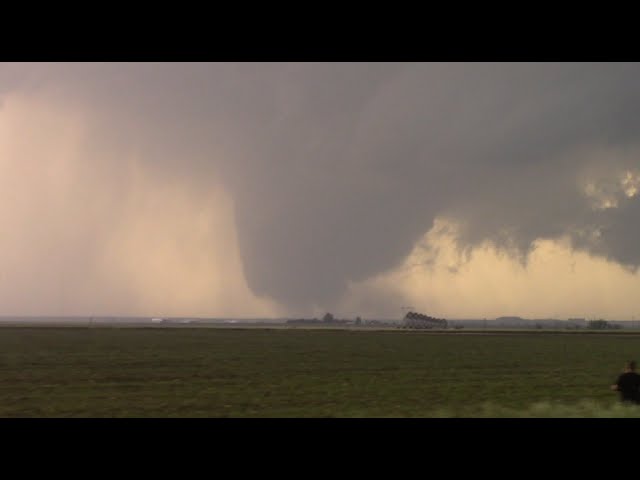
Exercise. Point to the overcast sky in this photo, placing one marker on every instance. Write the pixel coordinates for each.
(260, 190)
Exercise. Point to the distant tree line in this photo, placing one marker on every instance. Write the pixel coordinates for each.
(419, 320)
(328, 318)
(602, 325)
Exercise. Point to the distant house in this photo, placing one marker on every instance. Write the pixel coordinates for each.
(157, 320)
(418, 320)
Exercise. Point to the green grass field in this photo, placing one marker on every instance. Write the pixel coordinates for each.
(252, 372)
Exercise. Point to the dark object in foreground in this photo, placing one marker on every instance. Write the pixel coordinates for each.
(628, 384)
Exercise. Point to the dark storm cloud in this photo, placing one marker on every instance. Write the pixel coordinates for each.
(352, 186)
(337, 170)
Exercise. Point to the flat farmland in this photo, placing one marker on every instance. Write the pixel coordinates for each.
(280, 372)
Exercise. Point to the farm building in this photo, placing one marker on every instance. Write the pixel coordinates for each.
(418, 320)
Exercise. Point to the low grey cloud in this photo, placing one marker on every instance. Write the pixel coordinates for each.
(336, 171)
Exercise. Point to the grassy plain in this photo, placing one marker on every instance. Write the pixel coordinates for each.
(255, 372)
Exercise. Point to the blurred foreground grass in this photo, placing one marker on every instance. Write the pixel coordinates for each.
(549, 409)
